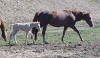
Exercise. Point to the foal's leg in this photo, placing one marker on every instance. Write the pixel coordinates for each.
(75, 29)
(26, 37)
(43, 34)
(10, 38)
(31, 36)
(14, 34)
(63, 33)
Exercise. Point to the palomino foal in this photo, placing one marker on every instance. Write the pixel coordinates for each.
(25, 27)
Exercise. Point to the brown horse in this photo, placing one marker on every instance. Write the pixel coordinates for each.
(3, 30)
(60, 19)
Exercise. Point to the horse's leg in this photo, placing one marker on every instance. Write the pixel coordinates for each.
(75, 29)
(63, 33)
(43, 34)
(34, 31)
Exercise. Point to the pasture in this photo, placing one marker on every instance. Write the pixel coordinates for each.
(72, 48)
(12, 11)
(53, 34)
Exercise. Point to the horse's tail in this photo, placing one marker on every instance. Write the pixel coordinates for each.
(36, 17)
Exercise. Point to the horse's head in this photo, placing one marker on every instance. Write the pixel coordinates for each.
(36, 17)
(83, 16)
(87, 18)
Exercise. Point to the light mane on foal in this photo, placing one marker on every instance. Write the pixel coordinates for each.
(24, 27)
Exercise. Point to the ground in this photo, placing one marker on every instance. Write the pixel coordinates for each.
(12, 11)
(69, 50)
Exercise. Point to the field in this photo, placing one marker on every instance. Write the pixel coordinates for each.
(13, 11)
(73, 47)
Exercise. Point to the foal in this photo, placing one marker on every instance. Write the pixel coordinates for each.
(25, 27)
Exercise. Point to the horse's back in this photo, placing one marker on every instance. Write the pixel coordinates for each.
(61, 18)
(55, 18)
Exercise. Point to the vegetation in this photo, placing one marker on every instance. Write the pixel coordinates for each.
(54, 34)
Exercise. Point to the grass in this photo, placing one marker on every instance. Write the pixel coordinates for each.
(54, 34)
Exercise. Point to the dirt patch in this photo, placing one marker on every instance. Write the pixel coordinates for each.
(13, 11)
(69, 50)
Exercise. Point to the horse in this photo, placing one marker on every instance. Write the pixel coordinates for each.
(24, 27)
(3, 30)
(63, 18)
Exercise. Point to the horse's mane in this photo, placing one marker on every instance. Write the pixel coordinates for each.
(76, 12)
(36, 16)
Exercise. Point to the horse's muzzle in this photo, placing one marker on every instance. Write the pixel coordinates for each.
(91, 25)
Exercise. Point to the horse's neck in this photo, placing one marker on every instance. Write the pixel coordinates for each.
(77, 16)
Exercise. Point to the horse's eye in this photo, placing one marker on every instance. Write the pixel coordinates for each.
(89, 18)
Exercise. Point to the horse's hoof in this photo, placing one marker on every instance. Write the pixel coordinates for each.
(82, 40)
(46, 43)
(63, 42)
(34, 43)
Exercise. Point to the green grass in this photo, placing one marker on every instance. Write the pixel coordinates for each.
(54, 36)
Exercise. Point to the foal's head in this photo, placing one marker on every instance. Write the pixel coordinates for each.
(36, 25)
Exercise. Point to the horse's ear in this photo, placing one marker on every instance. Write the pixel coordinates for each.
(80, 13)
(87, 14)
